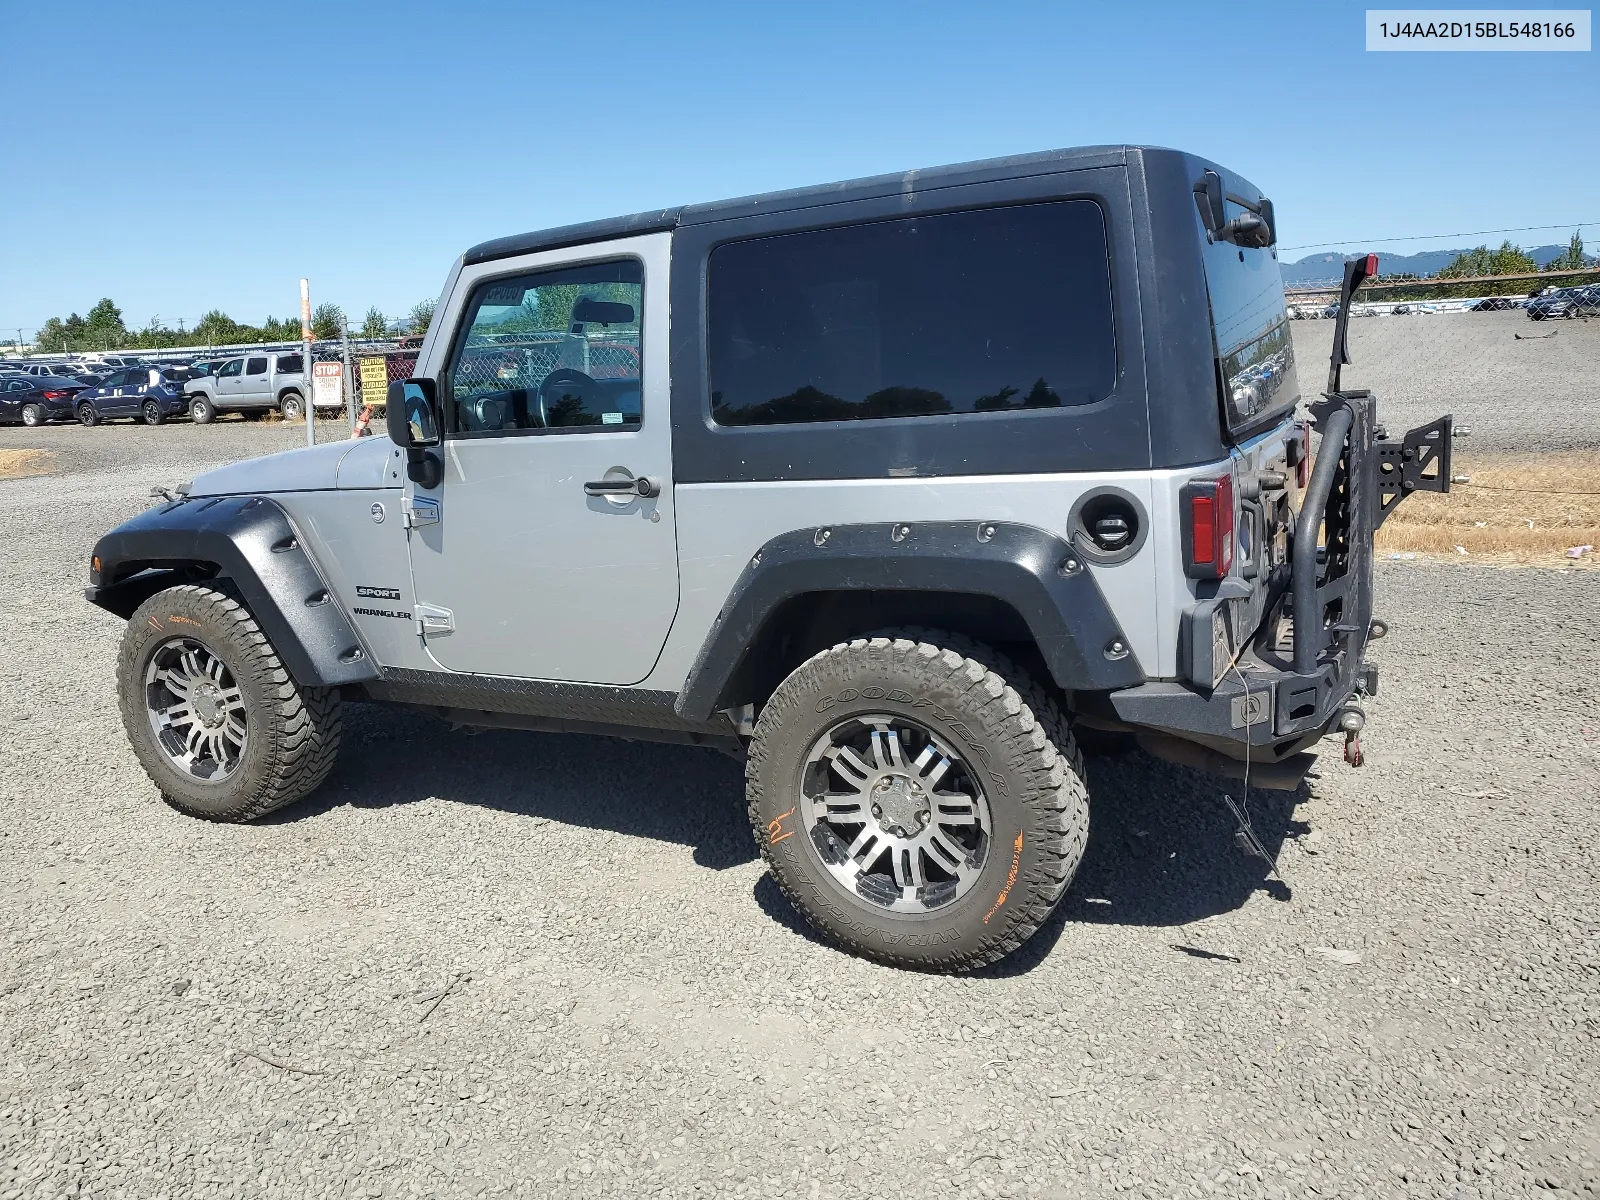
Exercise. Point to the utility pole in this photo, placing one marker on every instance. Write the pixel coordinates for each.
(305, 361)
(346, 379)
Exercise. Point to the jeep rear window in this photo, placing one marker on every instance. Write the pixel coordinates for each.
(971, 312)
(1255, 357)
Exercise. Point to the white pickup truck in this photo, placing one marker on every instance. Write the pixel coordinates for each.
(251, 384)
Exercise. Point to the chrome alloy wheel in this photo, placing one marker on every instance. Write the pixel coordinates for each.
(196, 710)
(896, 815)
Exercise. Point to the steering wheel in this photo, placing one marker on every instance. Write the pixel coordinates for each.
(566, 375)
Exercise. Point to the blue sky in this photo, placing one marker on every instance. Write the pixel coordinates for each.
(232, 149)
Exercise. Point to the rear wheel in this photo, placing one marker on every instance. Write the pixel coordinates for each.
(292, 406)
(918, 798)
(32, 414)
(88, 414)
(202, 411)
(151, 411)
(215, 719)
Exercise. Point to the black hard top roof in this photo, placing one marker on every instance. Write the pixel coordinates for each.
(1017, 166)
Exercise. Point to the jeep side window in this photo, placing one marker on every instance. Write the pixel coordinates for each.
(558, 349)
(967, 312)
(231, 368)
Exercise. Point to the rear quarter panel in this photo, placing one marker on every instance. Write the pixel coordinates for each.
(722, 525)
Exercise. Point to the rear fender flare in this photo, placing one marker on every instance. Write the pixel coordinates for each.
(250, 542)
(1034, 572)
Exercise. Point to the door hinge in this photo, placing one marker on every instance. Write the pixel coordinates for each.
(433, 621)
(419, 510)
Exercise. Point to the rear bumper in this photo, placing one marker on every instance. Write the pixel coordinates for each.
(1279, 698)
(1260, 712)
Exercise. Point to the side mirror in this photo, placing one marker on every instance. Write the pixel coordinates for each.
(413, 413)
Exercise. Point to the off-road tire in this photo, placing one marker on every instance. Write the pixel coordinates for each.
(151, 412)
(32, 415)
(202, 411)
(292, 406)
(993, 713)
(294, 731)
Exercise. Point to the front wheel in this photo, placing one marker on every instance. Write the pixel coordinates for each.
(216, 720)
(918, 798)
(202, 411)
(292, 406)
(88, 414)
(32, 415)
(151, 411)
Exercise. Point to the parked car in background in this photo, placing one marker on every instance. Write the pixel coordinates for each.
(1492, 304)
(35, 399)
(251, 384)
(1564, 302)
(148, 394)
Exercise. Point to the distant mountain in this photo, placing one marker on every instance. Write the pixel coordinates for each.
(1329, 268)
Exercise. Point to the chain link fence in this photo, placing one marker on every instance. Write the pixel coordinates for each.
(1516, 358)
(350, 385)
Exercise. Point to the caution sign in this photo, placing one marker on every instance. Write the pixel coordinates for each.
(374, 381)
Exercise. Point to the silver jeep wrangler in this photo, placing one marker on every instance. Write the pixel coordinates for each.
(900, 488)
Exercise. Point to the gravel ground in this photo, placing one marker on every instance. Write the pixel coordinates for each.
(1518, 384)
(517, 964)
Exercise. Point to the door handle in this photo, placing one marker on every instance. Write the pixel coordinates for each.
(643, 486)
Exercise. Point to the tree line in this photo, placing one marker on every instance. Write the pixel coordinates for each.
(105, 328)
(1511, 262)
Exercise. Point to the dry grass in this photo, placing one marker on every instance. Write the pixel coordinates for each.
(14, 464)
(1518, 509)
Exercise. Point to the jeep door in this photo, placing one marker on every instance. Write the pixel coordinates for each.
(545, 561)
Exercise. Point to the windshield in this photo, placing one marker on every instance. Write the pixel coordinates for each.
(1251, 326)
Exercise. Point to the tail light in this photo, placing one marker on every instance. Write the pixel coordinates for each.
(55, 395)
(1208, 530)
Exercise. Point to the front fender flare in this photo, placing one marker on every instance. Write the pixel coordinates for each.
(1035, 572)
(249, 541)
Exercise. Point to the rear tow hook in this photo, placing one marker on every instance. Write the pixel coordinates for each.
(1352, 720)
(1352, 750)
